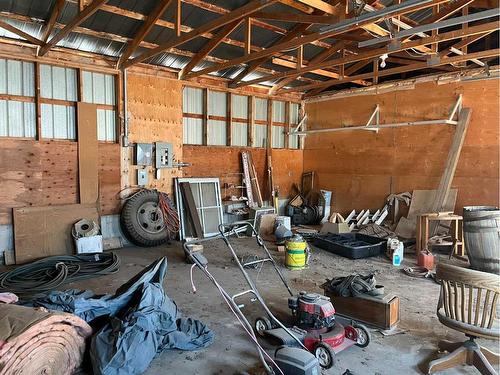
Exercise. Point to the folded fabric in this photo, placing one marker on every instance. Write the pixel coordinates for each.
(7, 297)
(140, 317)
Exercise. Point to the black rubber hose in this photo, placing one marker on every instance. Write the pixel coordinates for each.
(51, 272)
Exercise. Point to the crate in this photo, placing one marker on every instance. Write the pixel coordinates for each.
(351, 245)
(381, 312)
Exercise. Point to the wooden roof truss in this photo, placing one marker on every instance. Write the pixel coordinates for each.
(361, 34)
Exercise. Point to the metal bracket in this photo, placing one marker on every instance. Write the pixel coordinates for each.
(457, 108)
(375, 116)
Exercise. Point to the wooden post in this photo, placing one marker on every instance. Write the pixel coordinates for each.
(178, 18)
(251, 120)
(38, 106)
(451, 162)
(248, 36)
(205, 117)
(229, 119)
(287, 126)
(269, 124)
(375, 71)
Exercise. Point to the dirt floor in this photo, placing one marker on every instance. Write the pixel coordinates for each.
(233, 353)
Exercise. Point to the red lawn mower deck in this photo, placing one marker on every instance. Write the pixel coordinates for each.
(317, 328)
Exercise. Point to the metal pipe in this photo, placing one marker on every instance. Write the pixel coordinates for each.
(364, 127)
(385, 13)
(433, 26)
(125, 112)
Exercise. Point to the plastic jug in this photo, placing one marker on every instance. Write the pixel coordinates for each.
(397, 257)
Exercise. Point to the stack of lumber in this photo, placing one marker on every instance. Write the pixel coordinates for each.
(35, 341)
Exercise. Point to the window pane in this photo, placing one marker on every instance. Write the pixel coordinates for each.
(192, 100)
(239, 106)
(17, 77)
(260, 135)
(192, 131)
(58, 83)
(216, 133)
(261, 109)
(217, 103)
(58, 121)
(278, 137)
(106, 125)
(239, 134)
(279, 111)
(98, 88)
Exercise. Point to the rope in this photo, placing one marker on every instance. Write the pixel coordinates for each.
(354, 285)
(417, 271)
(51, 272)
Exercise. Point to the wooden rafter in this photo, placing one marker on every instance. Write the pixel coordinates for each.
(80, 17)
(297, 5)
(399, 70)
(122, 39)
(319, 5)
(298, 18)
(22, 34)
(312, 37)
(54, 14)
(209, 47)
(322, 56)
(473, 30)
(145, 28)
(239, 13)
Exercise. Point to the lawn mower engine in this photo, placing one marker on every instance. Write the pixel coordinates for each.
(312, 311)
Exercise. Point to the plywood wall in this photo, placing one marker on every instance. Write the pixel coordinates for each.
(224, 162)
(362, 168)
(155, 115)
(46, 173)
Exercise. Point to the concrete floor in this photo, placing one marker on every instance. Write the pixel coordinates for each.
(233, 353)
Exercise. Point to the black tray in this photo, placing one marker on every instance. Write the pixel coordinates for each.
(351, 245)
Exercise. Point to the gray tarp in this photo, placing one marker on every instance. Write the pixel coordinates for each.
(139, 318)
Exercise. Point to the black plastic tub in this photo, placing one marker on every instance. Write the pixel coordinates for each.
(351, 245)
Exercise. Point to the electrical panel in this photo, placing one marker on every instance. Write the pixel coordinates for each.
(164, 155)
(143, 153)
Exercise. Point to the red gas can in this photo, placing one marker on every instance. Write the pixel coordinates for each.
(426, 259)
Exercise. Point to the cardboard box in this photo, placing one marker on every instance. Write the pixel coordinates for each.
(92, 244)
(334, 228)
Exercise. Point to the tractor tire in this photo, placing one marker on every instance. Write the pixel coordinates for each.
(142, 221)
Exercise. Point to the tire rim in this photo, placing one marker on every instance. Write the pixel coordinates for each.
(323, 356)
(260, 326)
(150, 218)
(362, 336)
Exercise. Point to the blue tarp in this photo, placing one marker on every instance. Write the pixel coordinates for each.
(138, 318)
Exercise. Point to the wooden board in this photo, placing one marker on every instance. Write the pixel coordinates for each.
(155, 115)
(45, 231)
(88, 154)
(218, 161)
(363, 168)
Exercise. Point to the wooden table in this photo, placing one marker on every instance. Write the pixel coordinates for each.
(422, 237)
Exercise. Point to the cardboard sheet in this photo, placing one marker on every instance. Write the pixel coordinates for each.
(45, 231)
(88, 153)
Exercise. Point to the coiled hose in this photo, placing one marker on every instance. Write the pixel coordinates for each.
(51, 272)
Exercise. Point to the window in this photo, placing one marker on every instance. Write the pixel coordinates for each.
(17, 99)
(260, 123)
(279, 124)
(239, 124)
(293, 140)
(217, 118)
(99, 88)
(58, 114)
(192, 108)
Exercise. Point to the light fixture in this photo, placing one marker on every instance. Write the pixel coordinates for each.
(384, 57)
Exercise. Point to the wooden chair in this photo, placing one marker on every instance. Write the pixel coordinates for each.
(468, 303)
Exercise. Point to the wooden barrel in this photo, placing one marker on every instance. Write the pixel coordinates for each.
(482, 237)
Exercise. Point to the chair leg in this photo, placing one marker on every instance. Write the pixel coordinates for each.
(449, 346)
(457, 357)
(480, 361)
(492, 357)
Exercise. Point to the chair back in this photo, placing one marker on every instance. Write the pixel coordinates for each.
(468, 300)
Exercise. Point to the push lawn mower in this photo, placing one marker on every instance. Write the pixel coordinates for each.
(317, 328)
